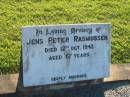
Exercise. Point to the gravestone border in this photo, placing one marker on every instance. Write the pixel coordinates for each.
(47, 89)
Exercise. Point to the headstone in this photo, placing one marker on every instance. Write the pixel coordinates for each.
(55, 54)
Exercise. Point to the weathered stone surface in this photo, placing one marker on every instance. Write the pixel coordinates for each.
(118, 72)
(55, 54)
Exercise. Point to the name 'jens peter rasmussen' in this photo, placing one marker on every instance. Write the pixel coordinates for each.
(63, 39)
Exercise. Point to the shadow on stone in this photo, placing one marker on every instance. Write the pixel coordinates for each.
(9, 95)
(93, 90)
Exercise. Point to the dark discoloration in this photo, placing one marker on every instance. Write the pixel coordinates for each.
(98, 29)
(68, 60)
(26, 66)
(108, 89)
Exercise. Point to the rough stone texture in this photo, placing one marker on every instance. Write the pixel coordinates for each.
(119, 72)
(8, 83)
(123, 91)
